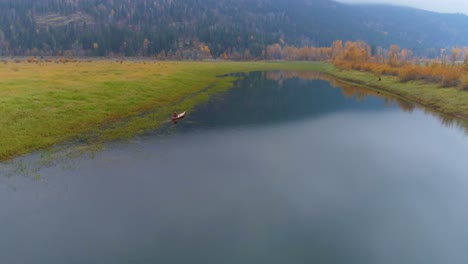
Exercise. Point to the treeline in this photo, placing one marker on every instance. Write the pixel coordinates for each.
(277, 52)
(232, 29)
(166, 28)
(449, 69)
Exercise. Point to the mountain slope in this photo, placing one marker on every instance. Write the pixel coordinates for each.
(143, 27)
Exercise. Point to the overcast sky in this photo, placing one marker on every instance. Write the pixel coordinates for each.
(445, 6)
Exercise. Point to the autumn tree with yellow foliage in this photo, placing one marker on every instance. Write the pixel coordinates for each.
(358, 55)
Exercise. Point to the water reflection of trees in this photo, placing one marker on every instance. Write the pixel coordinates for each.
(348, 90)
(360, 93)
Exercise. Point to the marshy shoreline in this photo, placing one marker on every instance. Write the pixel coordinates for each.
(45, 103)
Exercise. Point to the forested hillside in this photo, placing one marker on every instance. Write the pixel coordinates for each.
(238, 29)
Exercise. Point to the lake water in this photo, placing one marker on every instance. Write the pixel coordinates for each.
(278, 169)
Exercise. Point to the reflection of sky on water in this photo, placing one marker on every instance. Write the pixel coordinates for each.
(362, 185)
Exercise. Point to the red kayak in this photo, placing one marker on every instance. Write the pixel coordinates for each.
(178, 116)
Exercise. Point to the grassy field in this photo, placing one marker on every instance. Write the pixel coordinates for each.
(47, 103)
(42, 104)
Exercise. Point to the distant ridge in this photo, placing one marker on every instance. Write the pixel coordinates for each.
(201, 28)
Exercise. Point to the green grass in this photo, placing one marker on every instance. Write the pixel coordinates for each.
(48, 103)
(45, 104)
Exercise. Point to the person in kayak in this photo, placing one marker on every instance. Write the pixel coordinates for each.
(174, 115)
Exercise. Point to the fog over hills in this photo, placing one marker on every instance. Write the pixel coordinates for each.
(446, 6)
(146, 28)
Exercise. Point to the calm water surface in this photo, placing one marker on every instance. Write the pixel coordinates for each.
(276, 170)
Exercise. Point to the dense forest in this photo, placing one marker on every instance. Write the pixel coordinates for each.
(197, 29)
